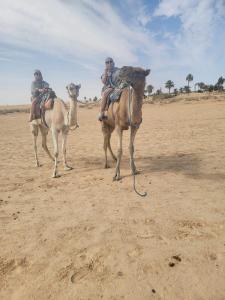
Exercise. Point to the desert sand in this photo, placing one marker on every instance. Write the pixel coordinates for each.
(83, 236)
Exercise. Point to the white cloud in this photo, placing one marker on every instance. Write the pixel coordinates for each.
(199, 23)
(84, 29)
(84, 32)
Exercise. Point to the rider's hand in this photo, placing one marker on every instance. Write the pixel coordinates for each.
(107, 68)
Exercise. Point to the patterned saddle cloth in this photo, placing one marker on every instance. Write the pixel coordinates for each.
(116, 93)
(42, 103)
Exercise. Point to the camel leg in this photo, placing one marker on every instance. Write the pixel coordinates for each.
(110, 149)
(64, 138)
(105, 131)
(131, 148)
(34, 129)
(105, 146)
(55, 135)
(119, 154)
(107, 136)
(44, 133)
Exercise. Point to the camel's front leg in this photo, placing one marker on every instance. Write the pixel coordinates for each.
(35, 135)
(55, 135)
(131, 148)
(105, 146)
(119, 154)
(64, 138)
(105, 143)
(44, 133)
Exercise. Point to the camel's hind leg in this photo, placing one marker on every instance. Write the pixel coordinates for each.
(55, 135)
(64, 138)
(44, 133)
(110, 149)
(119, 154)
(107, 136)
(131, 148)
(34, 130)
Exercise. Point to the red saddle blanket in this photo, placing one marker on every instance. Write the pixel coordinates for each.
(38, 108)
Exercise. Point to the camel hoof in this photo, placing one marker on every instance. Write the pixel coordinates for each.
(38, 165)
(56, 176)
(117, 178)
(136, 172)
(67, 168)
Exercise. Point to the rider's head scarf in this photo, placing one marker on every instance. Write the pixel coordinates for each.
(110, 62)
(38, 75)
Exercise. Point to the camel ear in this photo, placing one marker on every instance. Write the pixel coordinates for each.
(79, 86)
(67, 87)
(147, 72)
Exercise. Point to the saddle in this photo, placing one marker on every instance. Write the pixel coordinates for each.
(48, 104)
(115, 95)
(40, 104)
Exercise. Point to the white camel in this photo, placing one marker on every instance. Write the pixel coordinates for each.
(59, 119)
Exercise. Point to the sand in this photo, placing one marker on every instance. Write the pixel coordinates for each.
(83, 236)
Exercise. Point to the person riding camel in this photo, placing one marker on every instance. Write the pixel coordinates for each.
(39, 92)
(110, 80)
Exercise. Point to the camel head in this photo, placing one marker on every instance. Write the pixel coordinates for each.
(73, 90)
(134, 76)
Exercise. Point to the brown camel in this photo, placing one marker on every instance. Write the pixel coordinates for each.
(124, 114)
(59, 119)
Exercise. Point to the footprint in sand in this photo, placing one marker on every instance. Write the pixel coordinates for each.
(79, 274)
(7, 266)
(134, 253)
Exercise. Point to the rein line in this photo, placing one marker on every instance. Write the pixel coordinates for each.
(130, 123)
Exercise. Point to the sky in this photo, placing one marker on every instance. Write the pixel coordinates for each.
(68, 40)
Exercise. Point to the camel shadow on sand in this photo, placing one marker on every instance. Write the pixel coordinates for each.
(189, 164)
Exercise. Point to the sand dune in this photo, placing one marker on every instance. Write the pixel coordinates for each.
(83, 236)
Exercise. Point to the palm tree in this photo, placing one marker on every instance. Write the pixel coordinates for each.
(189, 78)
(149, 89)
(187, 89)
(196, 86)
(169, 84)
(210, 88)
(220, 83)
(202, 86)
(158, 92)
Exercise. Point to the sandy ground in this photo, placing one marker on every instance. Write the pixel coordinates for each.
(82, 236)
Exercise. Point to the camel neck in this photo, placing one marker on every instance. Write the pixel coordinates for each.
(137, 99)
(136, 107)
(73, 111)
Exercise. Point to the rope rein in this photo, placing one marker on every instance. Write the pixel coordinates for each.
(130, 123)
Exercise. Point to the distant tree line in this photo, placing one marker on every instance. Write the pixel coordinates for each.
(198, 86)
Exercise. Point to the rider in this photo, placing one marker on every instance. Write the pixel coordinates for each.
(38, 92)
(38, 85)
(109, 79)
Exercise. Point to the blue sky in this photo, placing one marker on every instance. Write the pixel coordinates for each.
(68, 41)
